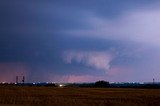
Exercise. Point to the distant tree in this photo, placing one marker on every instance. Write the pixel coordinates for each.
(102, 84)
(50, 85)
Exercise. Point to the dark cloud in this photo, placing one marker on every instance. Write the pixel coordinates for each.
(34, 36)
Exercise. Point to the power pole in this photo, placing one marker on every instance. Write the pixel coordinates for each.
(23, 79)
(16, 79)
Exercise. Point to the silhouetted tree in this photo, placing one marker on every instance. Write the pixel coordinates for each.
(50, 85)
(102, 84)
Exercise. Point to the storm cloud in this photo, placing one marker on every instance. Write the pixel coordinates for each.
(98, 60)
(78, 41)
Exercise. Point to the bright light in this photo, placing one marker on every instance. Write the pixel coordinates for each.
(60, 85)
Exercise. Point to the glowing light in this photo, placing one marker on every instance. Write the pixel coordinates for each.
(60, 85)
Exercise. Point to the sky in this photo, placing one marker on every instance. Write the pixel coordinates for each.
(80, 40)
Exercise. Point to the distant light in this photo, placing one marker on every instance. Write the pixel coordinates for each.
(3, 82)
(34, 83)
(60, 85)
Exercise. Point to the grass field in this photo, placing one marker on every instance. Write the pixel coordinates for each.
(52, 96)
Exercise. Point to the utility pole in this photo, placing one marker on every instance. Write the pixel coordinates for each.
(16, 79)
(23, 79)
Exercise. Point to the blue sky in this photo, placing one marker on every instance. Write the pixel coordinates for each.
(80, 40)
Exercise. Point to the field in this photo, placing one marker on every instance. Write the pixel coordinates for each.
(52, 96)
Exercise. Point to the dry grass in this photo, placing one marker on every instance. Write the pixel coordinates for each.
(50, 96)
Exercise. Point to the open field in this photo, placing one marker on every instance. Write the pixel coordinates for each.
(52, 96)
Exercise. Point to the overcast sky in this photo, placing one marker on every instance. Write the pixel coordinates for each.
(80, 40)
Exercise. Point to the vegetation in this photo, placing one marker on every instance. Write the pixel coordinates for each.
(102, 84)
(65, 96)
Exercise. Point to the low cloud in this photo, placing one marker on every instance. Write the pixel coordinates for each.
(95, 59)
